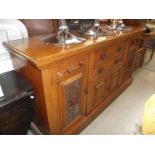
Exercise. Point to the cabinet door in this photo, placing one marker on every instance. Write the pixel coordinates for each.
(129, 66)
(71, 99)
(115, 79)
(138, 59)
(97, 93)
(100, 91)
(71, 85)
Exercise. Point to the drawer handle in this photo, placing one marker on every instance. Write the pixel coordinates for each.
(117, 62)
(119, 49)
(103, 56)
(69, 69)
(100, 70)
(59, 74)
(81, 63)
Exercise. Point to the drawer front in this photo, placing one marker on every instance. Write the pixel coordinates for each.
(67, 68)
(101, 68)
(105, 53)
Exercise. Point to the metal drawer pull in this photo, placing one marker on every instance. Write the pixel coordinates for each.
(103, 56)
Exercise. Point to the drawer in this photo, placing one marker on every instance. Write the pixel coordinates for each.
(103, 53)
(102, 68)
(69, 67)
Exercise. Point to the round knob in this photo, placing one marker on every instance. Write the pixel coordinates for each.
(59, 74)
(100, 70)
(103, 56)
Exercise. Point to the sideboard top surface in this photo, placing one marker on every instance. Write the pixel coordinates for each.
(41, 54)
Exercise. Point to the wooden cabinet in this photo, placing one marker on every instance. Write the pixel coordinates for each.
(73, 84)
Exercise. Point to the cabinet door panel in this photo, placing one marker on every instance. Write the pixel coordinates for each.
(129, 64)
(138, 59)
(97, 93)
(115, 79)
(100, 91)
(72, 93)
(132, 48)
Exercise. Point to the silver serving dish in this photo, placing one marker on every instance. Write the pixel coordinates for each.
(99, 33)
(119, 25)
(71, 40)
(124, 28)
(63, 37)
(96, 30)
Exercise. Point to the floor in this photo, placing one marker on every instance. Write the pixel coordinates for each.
(124, 115)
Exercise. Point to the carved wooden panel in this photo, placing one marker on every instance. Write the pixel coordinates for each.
(71, 99)
(72, 92)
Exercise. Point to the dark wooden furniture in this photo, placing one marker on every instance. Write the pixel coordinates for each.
(148, 37)
(40, 26)
(74, 84)
(16, 106)
(135, 22)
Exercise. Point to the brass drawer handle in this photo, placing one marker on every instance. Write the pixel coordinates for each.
(100, 70)
(103, 56)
